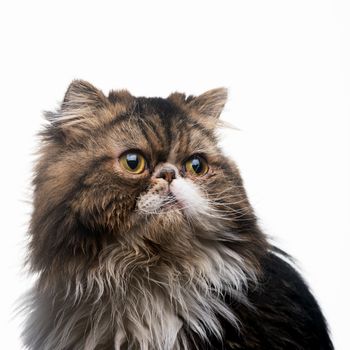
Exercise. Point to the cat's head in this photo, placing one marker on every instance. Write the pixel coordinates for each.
(120, 169)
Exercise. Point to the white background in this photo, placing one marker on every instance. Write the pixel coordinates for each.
(286, 64)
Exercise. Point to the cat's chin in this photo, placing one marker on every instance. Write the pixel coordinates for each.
(172, 203)
(168, 207)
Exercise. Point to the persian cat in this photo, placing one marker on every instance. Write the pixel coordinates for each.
(142, 236)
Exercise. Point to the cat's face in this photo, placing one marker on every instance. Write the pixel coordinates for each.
(137, 168)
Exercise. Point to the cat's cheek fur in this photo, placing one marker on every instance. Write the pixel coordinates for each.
(190, 197)
(183, 194)
(152, 200)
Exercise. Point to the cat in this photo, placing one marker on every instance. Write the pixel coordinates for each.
(142, 235)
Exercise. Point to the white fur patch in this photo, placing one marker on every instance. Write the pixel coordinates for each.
(190, 197)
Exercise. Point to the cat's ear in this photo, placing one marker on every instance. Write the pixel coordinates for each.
(206, 107)
(80, 110)
(80, 94)
(210, 104)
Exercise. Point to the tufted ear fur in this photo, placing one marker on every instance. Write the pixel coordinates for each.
(82, 109)
(206, 108)
(211, 103)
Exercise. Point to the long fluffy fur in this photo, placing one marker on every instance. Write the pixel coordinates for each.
(117, 271)
(131, 292)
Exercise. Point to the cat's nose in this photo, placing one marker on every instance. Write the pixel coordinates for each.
(167, 173)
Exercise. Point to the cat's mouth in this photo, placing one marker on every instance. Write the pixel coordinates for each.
(156, 203)
(170, 203)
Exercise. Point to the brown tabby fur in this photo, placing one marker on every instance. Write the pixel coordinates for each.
(109, 275)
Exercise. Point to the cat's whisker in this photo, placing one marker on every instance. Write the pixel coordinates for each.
(226, 203)
(221, 193)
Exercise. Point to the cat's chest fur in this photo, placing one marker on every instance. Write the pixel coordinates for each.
(129, 305)
(155, 307)
(155, 324)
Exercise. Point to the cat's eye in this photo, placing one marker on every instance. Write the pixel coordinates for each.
(196, 165)
(133, 162)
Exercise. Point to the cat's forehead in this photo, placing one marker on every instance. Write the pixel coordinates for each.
(160, 128)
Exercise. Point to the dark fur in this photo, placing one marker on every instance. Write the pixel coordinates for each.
(283, 314)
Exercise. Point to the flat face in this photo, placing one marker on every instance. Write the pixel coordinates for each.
(123, 166)
(182, 168)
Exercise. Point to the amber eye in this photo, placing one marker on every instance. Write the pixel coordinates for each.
(133, 162)
(196, 165)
